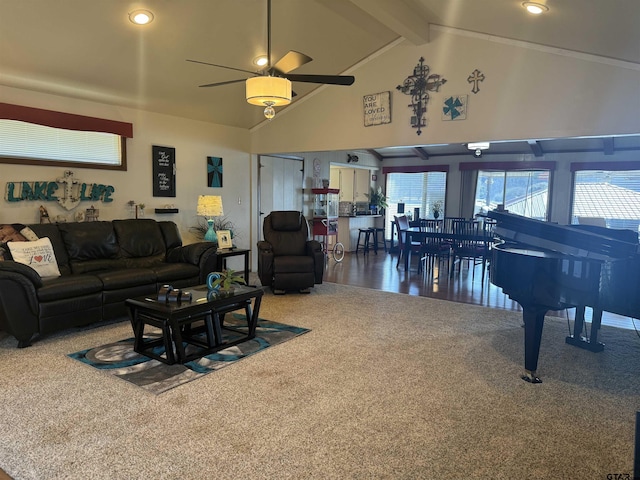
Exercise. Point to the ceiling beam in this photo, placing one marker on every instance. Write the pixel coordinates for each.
(608, 146)
(375, 154)
(421, 152)
(536, 148)
(396, 15)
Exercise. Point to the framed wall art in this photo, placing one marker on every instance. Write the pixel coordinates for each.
(214, 172)
(377, 108)
(164, 171)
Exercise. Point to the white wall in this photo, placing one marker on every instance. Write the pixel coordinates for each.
(528, 92)
(193, 141)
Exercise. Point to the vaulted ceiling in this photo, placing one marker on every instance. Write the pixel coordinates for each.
(90, 49)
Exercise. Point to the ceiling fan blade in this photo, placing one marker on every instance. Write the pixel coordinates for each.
(223, 66)
(290, 62)
(223, 83)
(328, 79)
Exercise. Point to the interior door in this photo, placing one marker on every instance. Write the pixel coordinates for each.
(280, 182)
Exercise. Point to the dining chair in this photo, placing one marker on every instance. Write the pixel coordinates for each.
(488, 227)
(433, 248)
(468, 245)
(402, 224)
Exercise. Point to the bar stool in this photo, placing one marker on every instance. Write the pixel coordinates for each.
(365, 235)
(377, 239)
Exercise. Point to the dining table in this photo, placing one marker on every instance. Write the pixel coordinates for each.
(416, 234)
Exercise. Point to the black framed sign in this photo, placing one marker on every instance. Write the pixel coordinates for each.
(164, 171)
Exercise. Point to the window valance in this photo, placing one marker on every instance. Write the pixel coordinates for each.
(415, 169)
(508, 166)
(68, 121)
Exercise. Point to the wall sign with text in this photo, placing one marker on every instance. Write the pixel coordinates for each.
(377, 108)
(164, 171)
(67, 190)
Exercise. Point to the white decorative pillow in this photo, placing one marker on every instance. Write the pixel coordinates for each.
(38, 255)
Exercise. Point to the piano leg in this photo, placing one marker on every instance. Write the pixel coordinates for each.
(533, 316)
(576, 339)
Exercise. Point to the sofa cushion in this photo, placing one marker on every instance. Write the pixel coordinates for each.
(171, 234)
(167, 272)
(94, 266)
(68, 286)
(38, 255)
(144, 262)
(119, 279)
(89, 240)
(139, 238)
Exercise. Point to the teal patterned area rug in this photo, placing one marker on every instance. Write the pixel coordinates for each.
(120, 360)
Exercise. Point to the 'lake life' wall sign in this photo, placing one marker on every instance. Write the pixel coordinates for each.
(66, 190)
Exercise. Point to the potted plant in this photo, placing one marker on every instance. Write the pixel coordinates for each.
(224, 281)
(377, 200)
(219, 223)
(436, 208)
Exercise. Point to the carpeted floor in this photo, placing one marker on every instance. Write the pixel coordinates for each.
(384, 386)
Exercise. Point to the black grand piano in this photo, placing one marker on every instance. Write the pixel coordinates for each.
(544, 266)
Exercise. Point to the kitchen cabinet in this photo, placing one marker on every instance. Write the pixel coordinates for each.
(362, 185)
(354, 183)
(346, 184)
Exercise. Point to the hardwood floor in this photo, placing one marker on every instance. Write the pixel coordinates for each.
(467, 286)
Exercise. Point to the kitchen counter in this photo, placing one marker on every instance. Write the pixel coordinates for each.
(348, 228)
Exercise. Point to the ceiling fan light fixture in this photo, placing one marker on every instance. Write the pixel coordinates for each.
(268, 92)
(535, 8)
(261, 61)
(141, 17)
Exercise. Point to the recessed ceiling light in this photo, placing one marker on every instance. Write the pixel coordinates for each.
(261, 61)
(141, 17)
(535, 8)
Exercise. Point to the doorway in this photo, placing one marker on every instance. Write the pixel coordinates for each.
(280, 185)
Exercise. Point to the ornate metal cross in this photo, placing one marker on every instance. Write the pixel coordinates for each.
(476, 77)
(418, 86)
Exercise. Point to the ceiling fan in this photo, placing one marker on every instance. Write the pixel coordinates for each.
(271, 86)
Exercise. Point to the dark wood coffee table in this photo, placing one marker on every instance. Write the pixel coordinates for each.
(185, 322)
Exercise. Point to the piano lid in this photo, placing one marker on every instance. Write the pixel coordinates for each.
(566, 239)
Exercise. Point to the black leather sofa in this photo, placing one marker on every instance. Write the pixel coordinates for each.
(101, 265)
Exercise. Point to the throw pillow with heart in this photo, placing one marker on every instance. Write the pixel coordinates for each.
(38, 255)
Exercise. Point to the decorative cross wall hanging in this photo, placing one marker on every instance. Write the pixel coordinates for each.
(418, 86)
(476, 77)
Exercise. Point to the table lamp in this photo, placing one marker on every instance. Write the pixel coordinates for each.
(210, 206)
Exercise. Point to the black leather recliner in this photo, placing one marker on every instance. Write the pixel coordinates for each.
(287, 259)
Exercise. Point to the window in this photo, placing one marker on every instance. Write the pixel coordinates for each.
(414, 190)
(43, 137)
(610, 195)
(524, 193)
